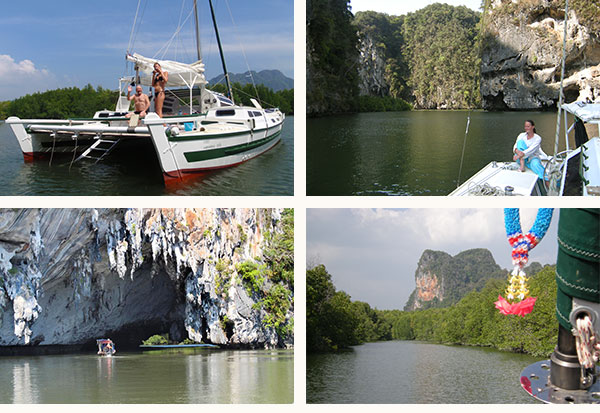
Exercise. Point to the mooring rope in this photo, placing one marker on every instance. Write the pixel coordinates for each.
(587, 342)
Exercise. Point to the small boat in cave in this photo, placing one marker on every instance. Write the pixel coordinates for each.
(106, 347)
(201, 130)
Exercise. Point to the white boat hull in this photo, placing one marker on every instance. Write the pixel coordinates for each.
(212, 146)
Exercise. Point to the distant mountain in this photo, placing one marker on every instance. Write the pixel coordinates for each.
(442, 280)
(273, 79)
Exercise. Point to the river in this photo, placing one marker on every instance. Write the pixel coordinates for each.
(411, 153)
(205, 376)
(416, 372)
(137, 172)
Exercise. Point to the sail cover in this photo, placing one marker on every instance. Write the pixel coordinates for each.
(180, 74)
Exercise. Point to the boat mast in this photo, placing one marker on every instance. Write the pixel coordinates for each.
(197, 30)
(212, 12)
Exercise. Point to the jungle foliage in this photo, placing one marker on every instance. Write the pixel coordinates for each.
(332, 52)
(334, 321)
(60, 103)
(442, 55)
(73, 102)
(431, 57)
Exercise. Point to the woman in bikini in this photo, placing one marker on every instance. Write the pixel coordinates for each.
(159, 81)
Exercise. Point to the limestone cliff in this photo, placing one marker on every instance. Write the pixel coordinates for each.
(521, 58)
(442, 280)
(371, 68)
(69, 276)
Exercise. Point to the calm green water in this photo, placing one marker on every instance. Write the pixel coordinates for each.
(127, 172)
(416, 372)
(410, 153)
(207, 376)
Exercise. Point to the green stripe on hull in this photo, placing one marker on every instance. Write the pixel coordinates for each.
(214, 136)
(227, 151)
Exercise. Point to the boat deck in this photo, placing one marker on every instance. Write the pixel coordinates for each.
(494, 178)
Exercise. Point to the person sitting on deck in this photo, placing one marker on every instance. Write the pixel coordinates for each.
(140, 101)
(527, 150)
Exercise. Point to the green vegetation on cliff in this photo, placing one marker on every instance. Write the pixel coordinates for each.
(465, 272)
(331, 43)
(430, 56)
(272, 281)
(334, 321)
(442, 55)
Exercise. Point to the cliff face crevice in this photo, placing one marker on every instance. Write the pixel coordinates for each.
(68, 276)
(522, 52)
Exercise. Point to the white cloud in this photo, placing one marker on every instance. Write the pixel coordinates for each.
(9, 69)
(20, 78)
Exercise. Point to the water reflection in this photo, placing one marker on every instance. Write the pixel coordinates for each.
(410, 153)
(214, 376)
(24, 389)
(136, 171)
(413, 372)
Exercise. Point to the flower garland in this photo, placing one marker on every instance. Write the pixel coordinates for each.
(517, 293)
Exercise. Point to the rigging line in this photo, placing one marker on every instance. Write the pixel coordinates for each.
(137, 29)
(179, 24)
(168, 44)
(562, 76)
(248, 94)
(242, 48)
(133, 26)
(476, 80)
(462, 156)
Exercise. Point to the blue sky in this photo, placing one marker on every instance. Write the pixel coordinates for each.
(50, 44)
(372, 254)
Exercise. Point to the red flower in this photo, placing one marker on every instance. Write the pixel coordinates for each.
(521, 308)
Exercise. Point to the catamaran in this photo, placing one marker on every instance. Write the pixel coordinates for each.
(202, 129)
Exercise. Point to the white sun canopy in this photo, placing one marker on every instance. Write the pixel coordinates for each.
(587, 112)
(180, 74)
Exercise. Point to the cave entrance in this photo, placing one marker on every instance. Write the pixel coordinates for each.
(149, 305)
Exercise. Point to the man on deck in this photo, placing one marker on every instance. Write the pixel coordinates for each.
(140, 101)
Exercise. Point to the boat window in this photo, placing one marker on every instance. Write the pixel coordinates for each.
(226, 112)
(225, 101)
(257, 114)
(251, 114)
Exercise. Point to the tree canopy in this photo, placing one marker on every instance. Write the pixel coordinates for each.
(431, 57)
(334, 321)
(61, 103)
